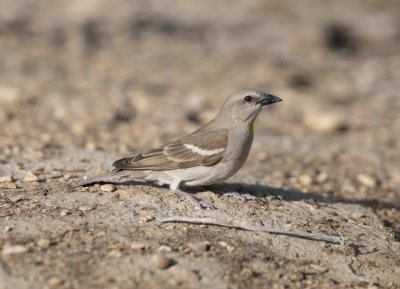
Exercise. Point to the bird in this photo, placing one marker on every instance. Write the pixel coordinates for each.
(209, 155)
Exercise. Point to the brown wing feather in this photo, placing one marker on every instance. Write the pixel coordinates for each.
(176, 155)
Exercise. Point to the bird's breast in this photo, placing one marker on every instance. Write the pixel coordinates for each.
(240, 142)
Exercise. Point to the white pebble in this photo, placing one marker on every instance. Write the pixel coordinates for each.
(305, 180)
(366, 180)
(107, 188)
(30, 177)
(14, 249)
(85, 208)
(6, 179)
(43, 243)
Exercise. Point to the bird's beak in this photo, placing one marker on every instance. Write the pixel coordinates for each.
(268, 99)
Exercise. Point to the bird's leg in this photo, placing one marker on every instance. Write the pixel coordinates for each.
(174, 187)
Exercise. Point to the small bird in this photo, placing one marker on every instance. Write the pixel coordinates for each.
(209, 155)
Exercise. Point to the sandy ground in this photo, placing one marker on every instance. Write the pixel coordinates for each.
(85, 82)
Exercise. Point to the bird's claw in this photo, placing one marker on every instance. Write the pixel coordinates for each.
(198, 203)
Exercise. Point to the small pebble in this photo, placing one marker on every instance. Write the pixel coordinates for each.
(145, 219)
(349, 188)
(107, 188)
(42, 178)
(162, 262)
(6, 179)
(199, 247)
(324, 122)
(64, 213)
(358, 215)
(366, 180)
(8, 186)
(228, 247)
(14, 249)
(16, 198)
(85, 208)
(43, 243)
(115, 253)
(7, 229)
(164, 248)
(305, 180)
(322, 177)
(316, 268)
(55, 175)
(246, 273)
(54, 282)
(139, 246)
(30, 177)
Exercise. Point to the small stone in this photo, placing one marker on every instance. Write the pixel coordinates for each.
(107, 188)
(145, 219)
(162, 262)
(30, 177)
(85, 208)
(54, 282)
(123, 195)
(164, 248)
(358, 215)
(228, 247)
(305, 180)
(366, 180)
(55, 175)
(43, 243)
(14, 249)
(6, 179)
(42, 178)
(322, 121)
(8, 94)
(199, 247)
(322, 177)
(246, 273)
(16, 198)
(317, 269)
(139, 246)
(64, 213)
(90, 145)
(7, 229)
(115, 253)
(348, 188)
(8, 186)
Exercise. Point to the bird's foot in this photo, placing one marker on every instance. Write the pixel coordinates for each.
(242, 197)
(198, 203)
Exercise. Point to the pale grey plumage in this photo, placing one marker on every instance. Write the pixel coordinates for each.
(211, 154)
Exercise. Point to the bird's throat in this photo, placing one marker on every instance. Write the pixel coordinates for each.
(250, 128)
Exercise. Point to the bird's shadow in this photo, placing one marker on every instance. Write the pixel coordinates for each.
(262, 191)
(295, 195)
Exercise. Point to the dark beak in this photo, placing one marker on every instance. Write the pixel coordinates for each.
(268, 99)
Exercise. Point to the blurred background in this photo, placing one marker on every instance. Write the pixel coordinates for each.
(123, 76)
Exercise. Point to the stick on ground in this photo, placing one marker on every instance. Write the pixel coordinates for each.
(213, 222)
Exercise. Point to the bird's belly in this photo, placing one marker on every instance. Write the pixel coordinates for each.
(198, 176)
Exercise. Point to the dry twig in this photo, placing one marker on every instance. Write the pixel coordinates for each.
(213, 222)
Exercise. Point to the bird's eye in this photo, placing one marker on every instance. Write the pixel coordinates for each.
(248, 98)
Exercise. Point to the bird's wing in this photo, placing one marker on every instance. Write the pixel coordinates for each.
(197, 149)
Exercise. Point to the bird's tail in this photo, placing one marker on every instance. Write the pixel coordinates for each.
(102, 178)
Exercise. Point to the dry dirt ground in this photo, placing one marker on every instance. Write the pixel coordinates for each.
(85, 82)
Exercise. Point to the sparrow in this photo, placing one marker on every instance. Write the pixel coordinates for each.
(209, 155)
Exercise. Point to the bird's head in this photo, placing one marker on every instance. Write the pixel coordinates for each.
(245, 104)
